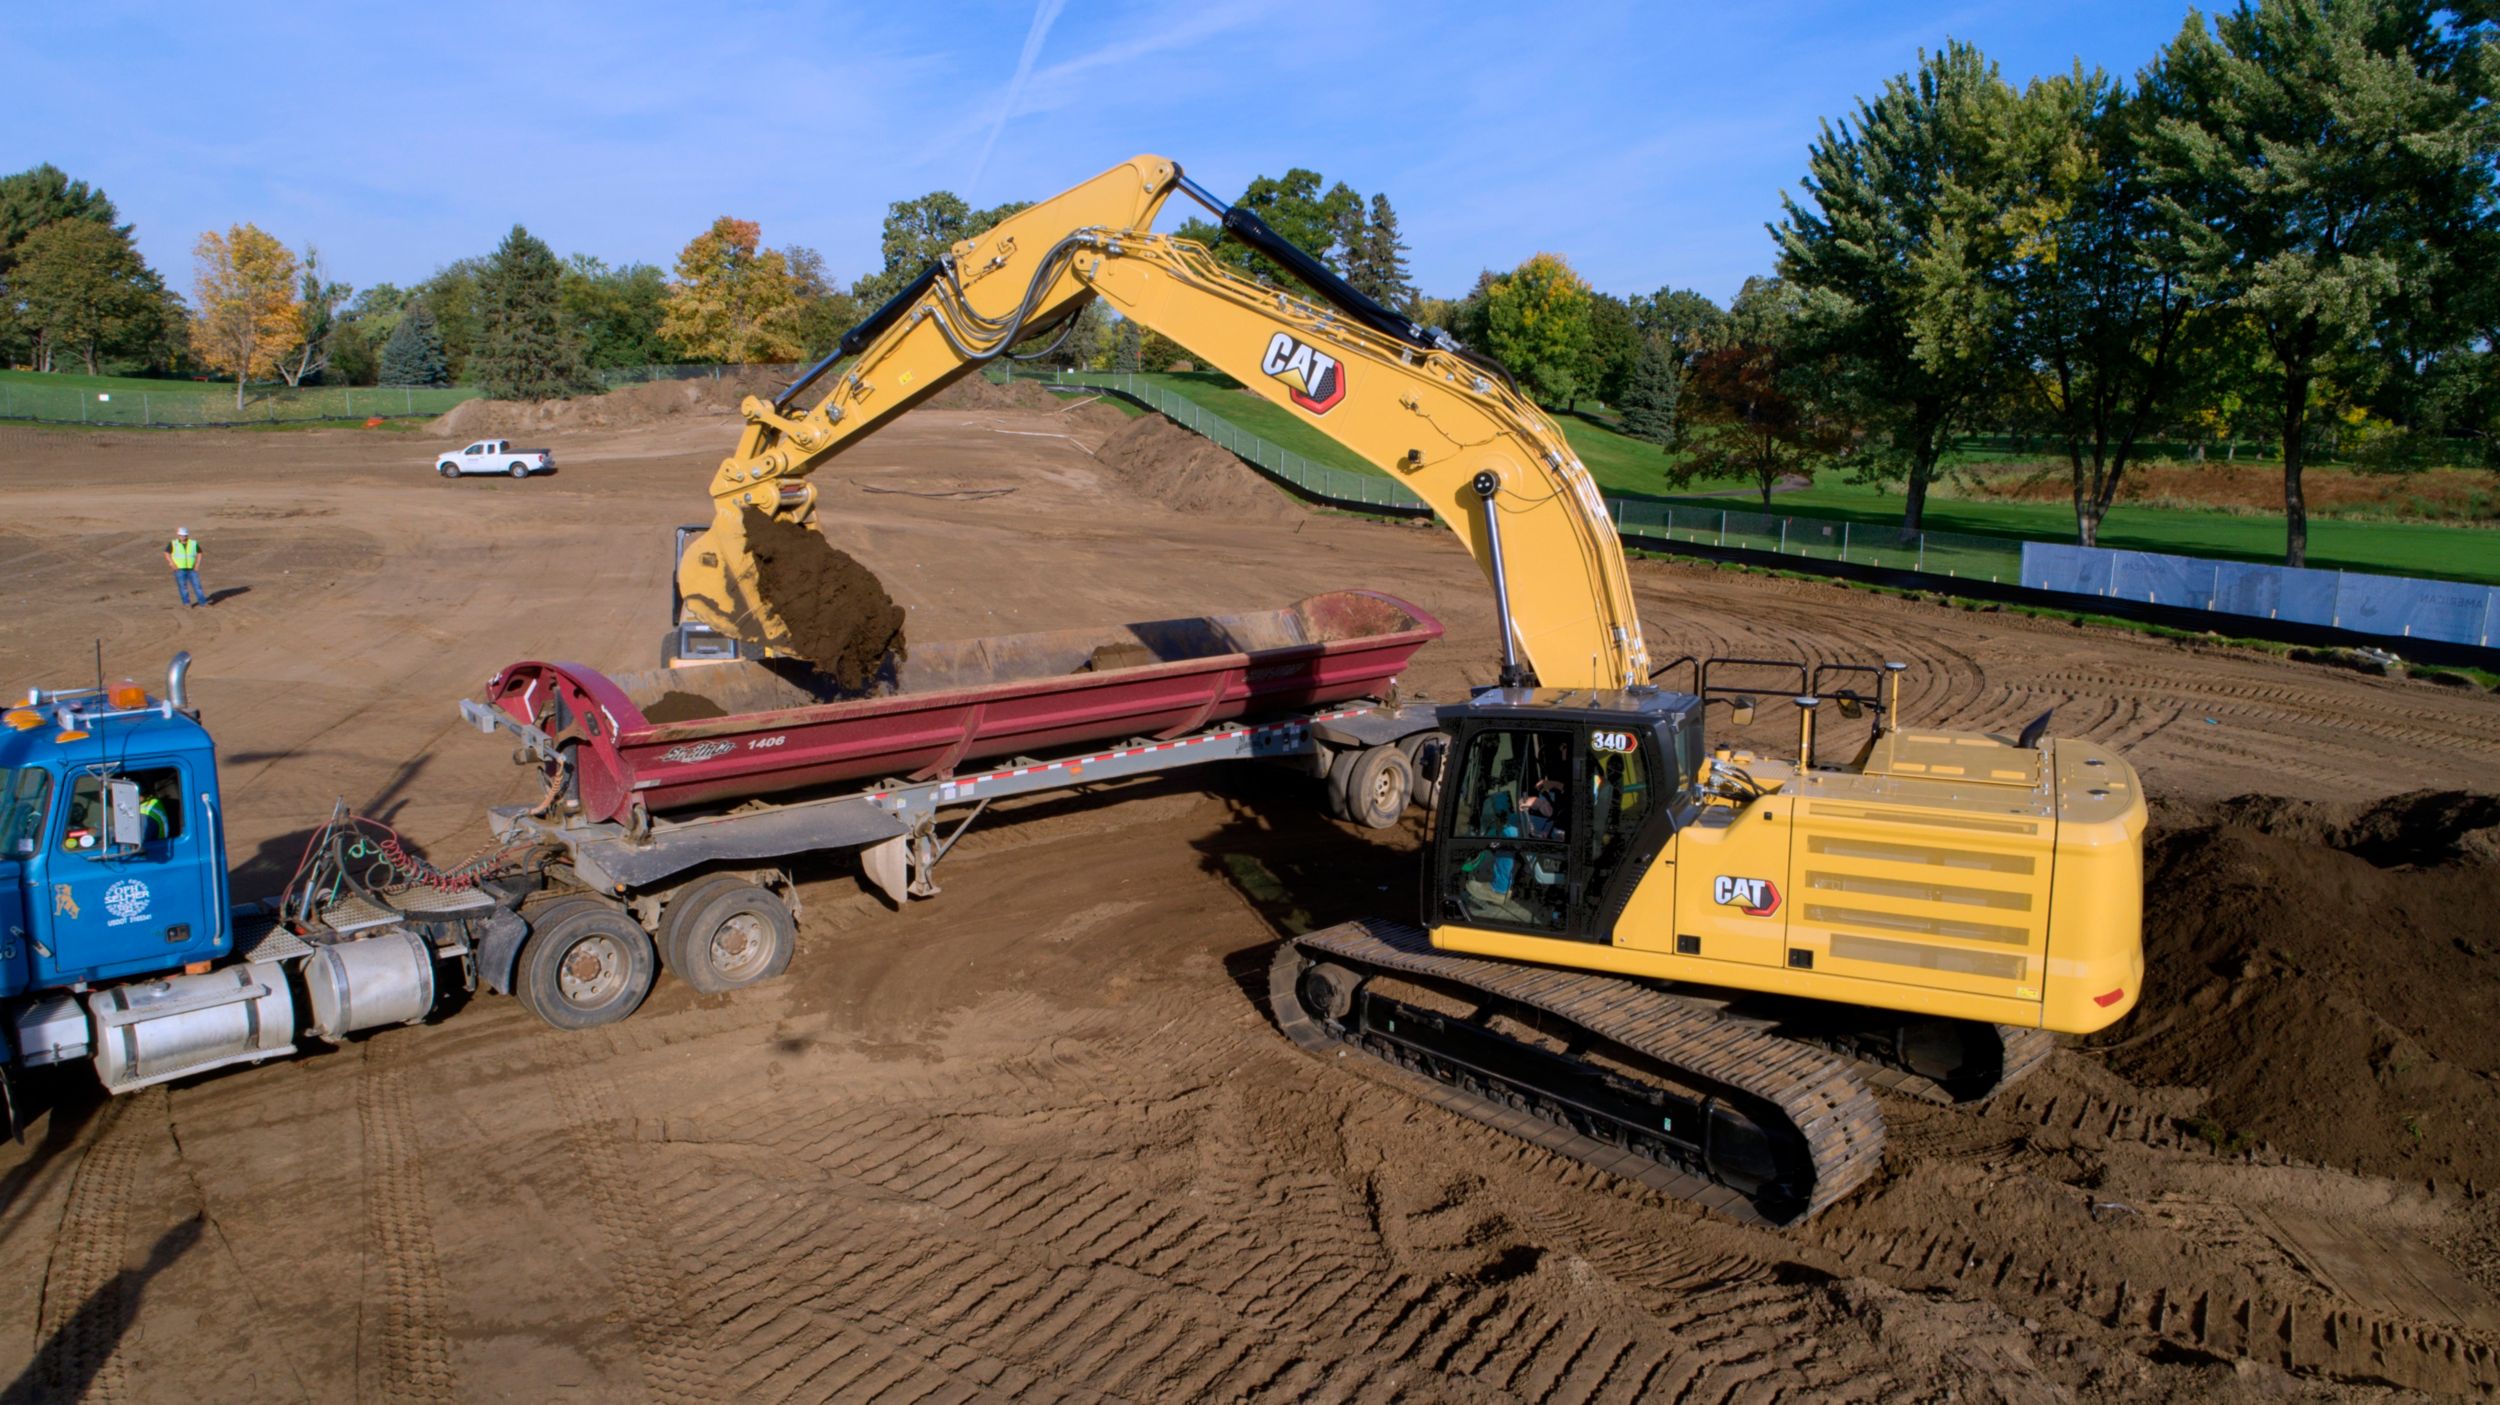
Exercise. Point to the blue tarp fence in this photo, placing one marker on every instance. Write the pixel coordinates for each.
(2400, 607)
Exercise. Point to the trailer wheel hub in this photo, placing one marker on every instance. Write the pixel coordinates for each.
(593, 971)
(739, 946)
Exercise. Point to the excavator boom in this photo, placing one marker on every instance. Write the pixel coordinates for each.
(1448, 426)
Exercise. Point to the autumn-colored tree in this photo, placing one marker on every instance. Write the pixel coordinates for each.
(1748, 413)
(1537, 323)
(246, 313)
(733, 300)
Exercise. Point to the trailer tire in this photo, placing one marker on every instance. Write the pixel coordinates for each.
(1379, 787)
(587, 963)
(724, 933)
(1337, 777)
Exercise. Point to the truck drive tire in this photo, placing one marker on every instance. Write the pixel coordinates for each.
(724, 933)
(1379, 786)
(586, 964)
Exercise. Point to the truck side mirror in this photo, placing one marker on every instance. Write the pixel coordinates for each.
(122, 826)
(1740, 712)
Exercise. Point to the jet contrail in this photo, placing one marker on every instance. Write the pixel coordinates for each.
(1045, 14)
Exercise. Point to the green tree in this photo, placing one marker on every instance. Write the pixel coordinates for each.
(826, 310)
(1685, 324)
(1376, 266)
(2103, 310)
(1651, 392)
(1614, 345)
(916, 232)
(1125, 347)
(1537, 320)
(82, 289)
(451, 296)
(1891, 252)
(526, 349)
(2325, 163)
(616, 312)
(317, 322)
(414, 354)
(1326, 224)
(31, 199)
(1749, 409)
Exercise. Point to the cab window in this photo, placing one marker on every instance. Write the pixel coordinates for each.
(25, 793)
(1510, 859)
(1620, 797)
(160, 810)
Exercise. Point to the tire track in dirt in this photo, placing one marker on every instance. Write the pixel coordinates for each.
(411, 1361)
(1083, 1278)
(82, 1318)
(670, 1343)
(2306, 1335)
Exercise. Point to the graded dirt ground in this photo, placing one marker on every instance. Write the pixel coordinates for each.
(1035, 1138)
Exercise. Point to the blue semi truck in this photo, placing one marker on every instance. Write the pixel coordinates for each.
(122, 945)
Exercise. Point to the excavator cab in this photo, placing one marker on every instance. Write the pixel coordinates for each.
(1555, 803)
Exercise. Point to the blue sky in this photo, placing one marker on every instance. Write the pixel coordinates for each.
(1649, 143)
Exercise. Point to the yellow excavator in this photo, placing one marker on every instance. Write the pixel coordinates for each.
(1684, 963)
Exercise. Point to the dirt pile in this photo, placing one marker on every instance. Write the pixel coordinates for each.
(1153, 458)
(633, 407)
(2331, 974)
(975, 392)
(839, 616)
(682, 707)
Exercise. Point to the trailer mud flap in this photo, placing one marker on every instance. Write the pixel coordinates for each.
(888, 865)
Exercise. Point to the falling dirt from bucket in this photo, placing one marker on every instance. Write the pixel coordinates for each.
(839, 617)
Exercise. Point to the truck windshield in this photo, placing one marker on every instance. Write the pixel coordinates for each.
(23, 791)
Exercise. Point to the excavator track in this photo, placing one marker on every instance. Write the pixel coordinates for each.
(1684, 1098)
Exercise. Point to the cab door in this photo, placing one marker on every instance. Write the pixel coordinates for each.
(1547, 829)
(128, 909)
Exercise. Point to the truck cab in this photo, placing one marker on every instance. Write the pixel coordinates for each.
(112, 842)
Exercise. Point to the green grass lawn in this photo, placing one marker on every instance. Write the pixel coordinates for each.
(132, 400)
(1626, 467)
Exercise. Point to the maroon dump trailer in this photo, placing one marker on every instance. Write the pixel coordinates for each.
(659, 781)
(642, 744)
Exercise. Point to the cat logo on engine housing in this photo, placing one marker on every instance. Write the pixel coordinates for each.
(1318, 381)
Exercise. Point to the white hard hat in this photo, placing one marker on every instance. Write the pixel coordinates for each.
(182, 531)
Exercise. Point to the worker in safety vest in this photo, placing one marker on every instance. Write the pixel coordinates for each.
(183, 554)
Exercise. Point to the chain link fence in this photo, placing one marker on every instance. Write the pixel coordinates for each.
(203, 403)
(1947, 554)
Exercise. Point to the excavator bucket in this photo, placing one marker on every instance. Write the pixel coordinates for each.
(775, 581)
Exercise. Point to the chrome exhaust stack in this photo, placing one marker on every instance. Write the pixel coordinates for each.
(177, 681)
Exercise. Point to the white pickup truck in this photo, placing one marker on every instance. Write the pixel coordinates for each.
(495, 456)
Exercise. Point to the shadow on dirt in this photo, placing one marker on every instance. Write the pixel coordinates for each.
(71, 1357)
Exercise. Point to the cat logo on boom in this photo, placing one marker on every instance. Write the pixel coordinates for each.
(1758, 897)
(1318, 381)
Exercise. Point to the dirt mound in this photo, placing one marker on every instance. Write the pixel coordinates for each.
(975, 392)
(2331, 975)
(629, 408)
(840, 618)
(682, 707)
(1156, 459)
